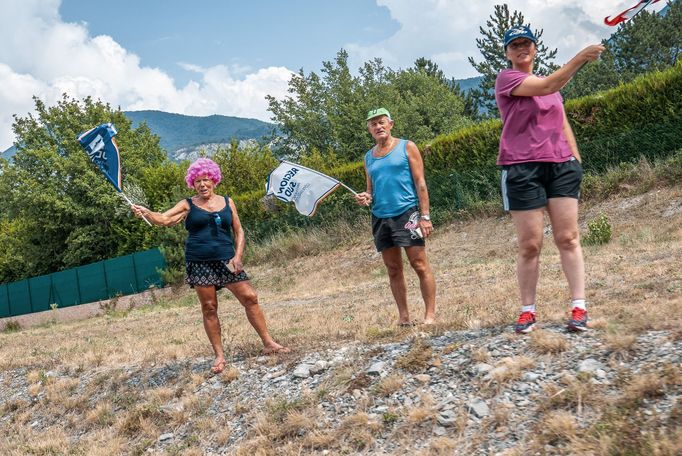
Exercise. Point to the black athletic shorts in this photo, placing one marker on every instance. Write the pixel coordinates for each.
(528, 186)
(398, 231)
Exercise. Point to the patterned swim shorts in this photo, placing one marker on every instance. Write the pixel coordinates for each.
(207, 273)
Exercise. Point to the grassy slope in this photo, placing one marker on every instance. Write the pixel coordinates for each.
(330, 299)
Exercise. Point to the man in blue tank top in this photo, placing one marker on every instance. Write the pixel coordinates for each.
(396, 190)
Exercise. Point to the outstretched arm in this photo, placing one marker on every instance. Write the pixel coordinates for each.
(534, 86)
(171, 217)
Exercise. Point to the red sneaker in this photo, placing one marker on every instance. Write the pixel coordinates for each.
(578, 321)
(525, 323)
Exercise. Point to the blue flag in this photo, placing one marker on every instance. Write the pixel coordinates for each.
(102, 149)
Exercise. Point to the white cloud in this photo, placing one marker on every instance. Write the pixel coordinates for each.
(43, 56)
(445, 30)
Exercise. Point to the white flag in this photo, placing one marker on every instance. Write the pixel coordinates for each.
(304, 186)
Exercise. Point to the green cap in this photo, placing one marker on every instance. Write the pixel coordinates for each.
(378, 112)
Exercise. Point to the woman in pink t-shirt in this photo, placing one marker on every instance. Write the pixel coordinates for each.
(540, 169)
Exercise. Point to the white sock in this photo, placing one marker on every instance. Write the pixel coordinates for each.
(579, 303)
(530, 308)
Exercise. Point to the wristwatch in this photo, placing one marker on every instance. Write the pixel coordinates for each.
(426, 217)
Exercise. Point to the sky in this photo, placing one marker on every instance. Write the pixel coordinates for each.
(208, 57)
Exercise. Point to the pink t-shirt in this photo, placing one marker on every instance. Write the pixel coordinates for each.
(532, 127)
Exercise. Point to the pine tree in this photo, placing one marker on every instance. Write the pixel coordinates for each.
(495, 61)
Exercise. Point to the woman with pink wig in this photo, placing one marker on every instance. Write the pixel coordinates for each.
(213, 254)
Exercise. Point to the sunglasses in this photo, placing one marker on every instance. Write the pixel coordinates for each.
(217, 219)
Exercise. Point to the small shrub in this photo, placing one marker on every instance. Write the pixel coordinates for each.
(12, 326)
(598, 231)
(390, 417)
(417, 359)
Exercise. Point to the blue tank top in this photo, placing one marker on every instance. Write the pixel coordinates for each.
(393, 190)
(210, 233)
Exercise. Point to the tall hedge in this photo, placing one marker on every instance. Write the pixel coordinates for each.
(639, 119)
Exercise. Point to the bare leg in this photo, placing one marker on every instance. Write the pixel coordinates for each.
(563, 213)
(427, 284)
(393, 259)
(529, 225)
(246, 295)
(209, 309)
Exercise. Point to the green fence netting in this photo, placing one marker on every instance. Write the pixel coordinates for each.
(89, 283)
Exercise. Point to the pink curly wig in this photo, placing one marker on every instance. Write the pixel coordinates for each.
(203, 167)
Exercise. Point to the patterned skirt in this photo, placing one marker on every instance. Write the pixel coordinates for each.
(207, 273)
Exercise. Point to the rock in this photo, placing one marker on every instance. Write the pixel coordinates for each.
(483, 368)
(600, 373)
(166, 436)
(499, 371)
(447, 403)
(376, 368)
(478, 408)
(423, 378)
(302, 370)
(589, 365)
(319, 366)
(447, 418)
(531, 376)
(273, 375)
(439, 431)
(174, 406)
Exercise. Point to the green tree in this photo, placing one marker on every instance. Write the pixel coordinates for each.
(494, 60)
(327, 113)
(243, 169)
(58, 207)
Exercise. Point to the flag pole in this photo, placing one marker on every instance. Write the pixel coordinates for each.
(131, 203)
(348, 188)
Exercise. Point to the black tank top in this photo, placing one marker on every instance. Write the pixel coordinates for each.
(210, 233)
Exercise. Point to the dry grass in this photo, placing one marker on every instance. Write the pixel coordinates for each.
(643, 386)
(548, 342)
(418, 358)
(571, 393)
(389, 384)
(557, 427)
(480, 355)
(620, 345)
(508, 369)
(634, 283)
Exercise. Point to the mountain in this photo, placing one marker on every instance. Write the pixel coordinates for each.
(9, 153)
(469, 83)
(183, 134)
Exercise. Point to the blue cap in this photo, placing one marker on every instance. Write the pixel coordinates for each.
(520, 31)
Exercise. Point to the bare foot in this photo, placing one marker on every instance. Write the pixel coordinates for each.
(406, 324)
(429, 320)
(218, 365)
(275, 349)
